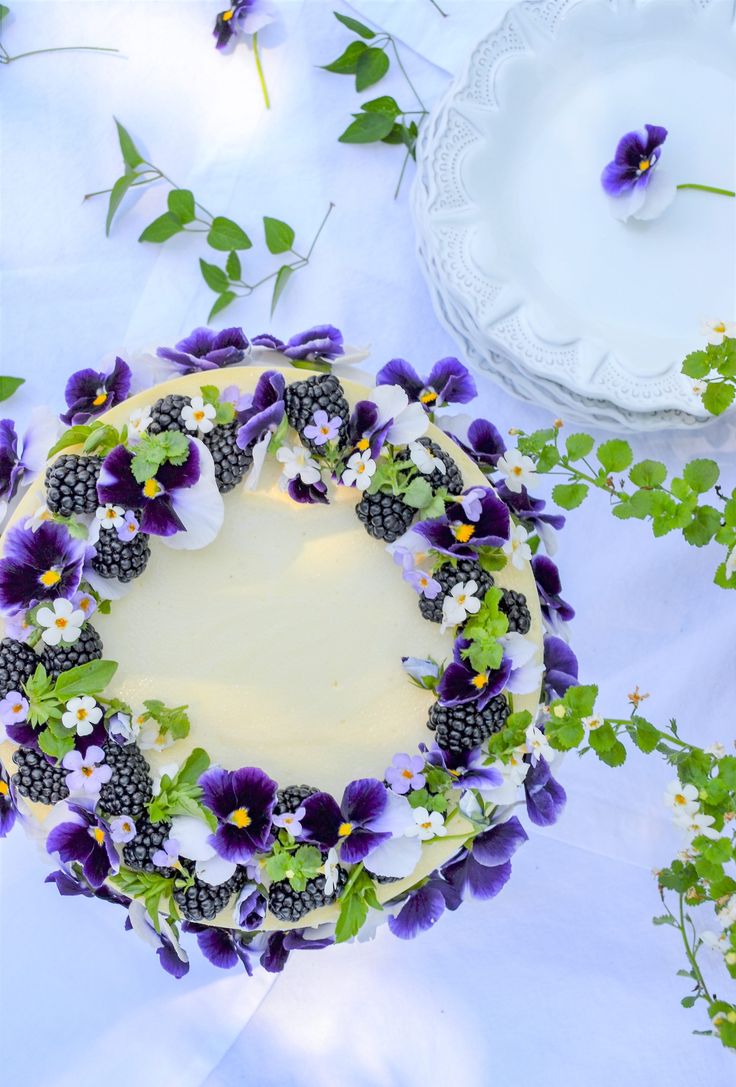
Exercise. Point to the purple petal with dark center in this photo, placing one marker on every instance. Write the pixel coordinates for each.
(321, 820)
(452, 382)
(527, 508)
(67, 885)
(232, 843)
(364, 800)
(174, 477)
(360, 843)
(547, 577)
(274, 957)
(217, 792)
(545, 797)
(23, 734)
(308, 492)
(223, 31)
(498, 844)
(72, 841)
(561, 666)
(159, 518)
(28, 555)
(400, 372)
(216, 944)
(84, 387)
(267, 419)
(617, 178)
(466, 874)
(295, 941)
(117, 484)
(493, 525)
(170, 961)
(485, 442)
(422, 909)
(9, 468)
(439, 535)
(252, 910)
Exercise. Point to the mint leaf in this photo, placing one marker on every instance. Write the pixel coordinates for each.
(55, 746)
(570, 495)
(75, 435)
(161, 229)
(347, 62)
(701, 475)
(214, 277)
(181, 204)
(171, 720)
(615, 455)
(367, 128)
(194, 767)
(131, 155)
(354, 25)
(8, 386)
(90, 678)
(279, 235)
(371, 67)
(226, 235)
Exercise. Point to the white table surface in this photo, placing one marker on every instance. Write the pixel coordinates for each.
(562, 978)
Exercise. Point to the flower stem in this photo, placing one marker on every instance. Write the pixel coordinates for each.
(259, 69)
(61, 49)
(689, 951)
(707, 188)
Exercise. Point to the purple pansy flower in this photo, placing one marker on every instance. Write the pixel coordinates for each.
(68, 884)
(250, 909)
(424, 907)
(22, 459)
(243, 17)
(86, 839)
(41, 565)
(545, 797)
(357, 825)
(223, 947)
(164, 940)
(449, 382)
(483, 442)
(268, 341)
(204, 349)
(561, 666)
(90, 392)
(279, 946)
(243, 801)
(460, 535)
(405, 773)
(307, 492)
(485, 868)
(461, 684)
(319, 342)
(8, 810)
(364, 430)
(636, 156)
(467, 767)
(266, 410)
(156, 497)
(529, 510)
(549, 586)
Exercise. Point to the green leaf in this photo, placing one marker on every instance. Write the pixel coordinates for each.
(233, 266)
(283, 276)
(226, 235)
(117, 192)
(418, 494)
(615, 455)
(372, 67)
(196, 764)
(566, 734)
(615, 755)
(181, 205)
(701, 475)
(279, 235)
(367, 128)
(688, 1001)
(718, 396)
(214, 277)
(705, 523)
(697, 365)
(581, 699)
(602, 738)
(224, 409)
(666, 919)
(578, 446)
(172, 720)
(347, 62)
(354, 25)
(161, 229)
(131, 155)
(90, 678)
(8, 386)
(4, 11)
(55, 746)
(570, 495)
(353, 912)
(648, 473)
(221, 302)
(548, 459)
(75, 435)
(385, 104)
(646, 736)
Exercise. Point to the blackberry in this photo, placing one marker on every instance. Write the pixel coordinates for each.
(130, 788)
(513, 605)
(123, 559)
(384, 515)
(37, 778)
(71, 484)
(386, 879)
(462, 728)
(451, 479)
(202, 902)
(166, 414)
(231, 462)
(303, 398)
(60, 658)
(18, 662)
(290, 798)
(138, 852)
(448, 576)
(290, 905)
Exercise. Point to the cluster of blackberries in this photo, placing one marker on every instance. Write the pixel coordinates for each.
(462, 728)
(449, 575)
(231, 462)
(201, 901)
(321, 392)
(290, 905)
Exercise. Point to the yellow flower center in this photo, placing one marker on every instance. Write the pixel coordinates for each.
(227, 16)
(345, 829)
(324, 430)
(463, 533)
(126, 828)
(110, 514)
(408, 774)
(426, 826)
(363, 444)
(88, 771)
(85, 604)
(99, 835)
(517, 470)
(4, 790)
(479, 681)
(241, 818)
(199, 416)
(50, 578)
(680, 799)
(720, 327)
(644, 165)
(61, 622)
(81, 715)
(151, 488)
(99, 400)
(428, 396)
(17, 707)
(360, 469)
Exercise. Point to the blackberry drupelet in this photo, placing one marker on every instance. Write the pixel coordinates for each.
(513, 605)
(18, 662)
(37, 779)
(60, 658)
(290, 905)
(231, 462)
(385, 879)
(448, 576)
(71, 484)
(303, 398)
(462, 728)
(451, 479)
(290, 798)
(166, 414)
(122, 559)
(130, 788)
(202, 902)
(138, 853)
(385, 516)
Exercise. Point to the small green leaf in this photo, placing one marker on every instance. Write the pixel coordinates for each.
(648, 473)
(161, 229)
(131, 155)
(418, 494)
(718, 396)
(354, 25)
(4, 11)
(226, 235)
(602, 738)
(371, 67)
(55, 746)
(181, 205)
(233, 266)
(117, 193)
(700, 475)
(578, 446)
(367, 128)
(221, 302)
(570, 495)
(615, 455)
(702, 528)
(90, 678)
(646, 736)
(615, 755)
(75, 435)
(214, 277)
(385, 104)
(8, 386)
(279, 235)
(688, 1001)
(697, 365)
(347, 62)
(194, 767)
(282, 278)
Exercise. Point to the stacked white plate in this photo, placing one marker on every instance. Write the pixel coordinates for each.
(541, 286)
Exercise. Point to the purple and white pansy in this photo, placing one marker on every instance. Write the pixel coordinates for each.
(632, 181)
(90, 392)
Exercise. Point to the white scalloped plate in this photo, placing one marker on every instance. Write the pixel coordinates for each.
(515, 227)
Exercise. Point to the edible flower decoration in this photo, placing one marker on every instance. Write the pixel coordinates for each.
(243, 801)
(246, 18)
(86, 839)
(448, 382)
(22, 458)
(89, 392)
(8, 810)
(356, 826)
(203, 349)
(41, 565)
(484, 868)
(478, 519)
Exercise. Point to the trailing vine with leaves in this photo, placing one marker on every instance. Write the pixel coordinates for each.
(6, 58)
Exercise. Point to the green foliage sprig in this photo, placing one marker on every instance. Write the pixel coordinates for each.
(185, 215)
(182, 793)
(6, 58)
(380, 120)
(714, 370)
(47, 699)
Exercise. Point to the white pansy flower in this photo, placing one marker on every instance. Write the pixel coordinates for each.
(81, 714)
(681, 798)
(697, 823)
(62, 622)
(110, 516)
(152, 737)
(193, 836)
(297, 464)
(138, 424)
(715, 330)
(198, 416)
(331, 870)
(428, 825)
(359, 471)
(516, 549)
(459, 603)
(40, 514)
(423, 459)
(407, 421)
(517, 469)
(538, 745)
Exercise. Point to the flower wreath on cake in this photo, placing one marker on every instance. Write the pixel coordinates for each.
(257, 868)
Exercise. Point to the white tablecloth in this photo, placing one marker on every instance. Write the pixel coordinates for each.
(561, 979)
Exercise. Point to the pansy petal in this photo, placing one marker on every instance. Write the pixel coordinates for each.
(216, 944)
(396, 857)
(452, 381)
(359, 844)
(483, 882)
(321, 821)
(412, 424)
(364, 800)
(402, 373)
(660, 193)
(421, 910)
(199, 508)
(497, 845)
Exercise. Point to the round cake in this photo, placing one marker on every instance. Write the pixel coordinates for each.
(263, 630)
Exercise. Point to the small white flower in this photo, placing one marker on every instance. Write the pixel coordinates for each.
(696, 823)
(516, 549)
(198, 415)
(538, 745)
(331, 870)
(138, 424)
(152, 737)
(715, 330)
(40, 514)
(727, 914)
(698, 388)
(110, 516)
(681, 798)
(517, 469)
(459, 603)
(716, 749)
(731, 562)
(716, 941)
(593, 722)
(428, 824)
(359, 471)
(62, 622)
(122, 829)
(81, 714)
(425, 460)
(169, 770)
(298, 464)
